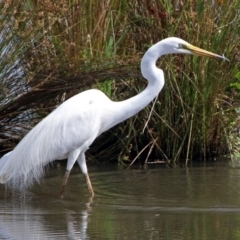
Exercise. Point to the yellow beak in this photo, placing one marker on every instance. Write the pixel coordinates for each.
(201, 52)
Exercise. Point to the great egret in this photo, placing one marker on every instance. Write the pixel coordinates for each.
(71, 128)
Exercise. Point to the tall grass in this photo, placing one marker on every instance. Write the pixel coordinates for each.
(66, 46)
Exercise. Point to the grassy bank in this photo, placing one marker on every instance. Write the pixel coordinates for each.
(52, 50)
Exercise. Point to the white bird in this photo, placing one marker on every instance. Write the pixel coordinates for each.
(71, 128)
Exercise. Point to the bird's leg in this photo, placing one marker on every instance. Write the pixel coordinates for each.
(64, 183)
(82, 163)
(89, 184)
(72, 157)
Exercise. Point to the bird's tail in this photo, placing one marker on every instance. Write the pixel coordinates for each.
(13, 176)
(26, 163)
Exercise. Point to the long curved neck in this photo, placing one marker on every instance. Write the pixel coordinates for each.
(127, 108)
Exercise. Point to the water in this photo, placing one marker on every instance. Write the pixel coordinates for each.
(157, 203)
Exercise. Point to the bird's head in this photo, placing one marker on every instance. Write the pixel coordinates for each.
(179, 46)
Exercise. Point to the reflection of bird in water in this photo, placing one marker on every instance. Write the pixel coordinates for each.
(77, 229)
(38, 220)
(71, 128)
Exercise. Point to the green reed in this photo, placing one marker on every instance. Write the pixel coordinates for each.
(66, 46)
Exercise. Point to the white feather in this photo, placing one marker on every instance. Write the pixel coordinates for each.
(71, 128)
(72, 125)
(4, 159)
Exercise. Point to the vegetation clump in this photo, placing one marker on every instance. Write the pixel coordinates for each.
(51, 50)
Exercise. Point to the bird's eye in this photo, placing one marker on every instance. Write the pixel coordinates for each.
(182, 46)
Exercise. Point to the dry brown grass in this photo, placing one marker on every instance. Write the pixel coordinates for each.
(54, 49)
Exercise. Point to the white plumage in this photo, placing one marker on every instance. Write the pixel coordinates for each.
(72, 127)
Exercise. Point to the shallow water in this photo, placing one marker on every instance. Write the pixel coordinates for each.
(154, 203)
